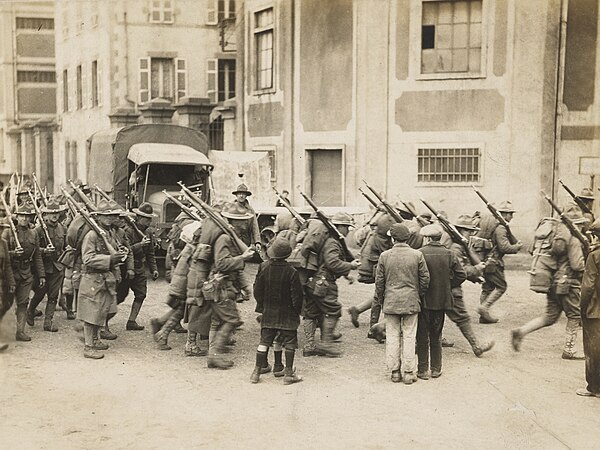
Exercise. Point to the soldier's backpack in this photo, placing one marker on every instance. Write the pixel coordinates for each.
(482, 240)
(311, 240)
(544, 263)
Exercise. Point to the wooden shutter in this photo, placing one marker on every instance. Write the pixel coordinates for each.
(86, 102)
(99, 80)
(211, 12)
(180, 78)
(211, 79)
(144, 80)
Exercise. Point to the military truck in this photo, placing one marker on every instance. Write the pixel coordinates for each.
(134, 164)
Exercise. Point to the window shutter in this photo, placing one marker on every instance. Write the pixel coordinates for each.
(73, 90)
(75, 159)
(85, 85)
(181, 78)
(144, 85)
(211, 12)
(211, 79)
(99, 81)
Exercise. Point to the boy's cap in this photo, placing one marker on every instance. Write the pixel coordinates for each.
(399, 232)
(280, 248)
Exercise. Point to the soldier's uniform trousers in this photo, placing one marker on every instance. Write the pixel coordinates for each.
(138, 285)
(54, 281)
(329, 305)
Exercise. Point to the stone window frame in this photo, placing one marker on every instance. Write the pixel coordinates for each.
(416, 36)
(480, 146)
(271, 149)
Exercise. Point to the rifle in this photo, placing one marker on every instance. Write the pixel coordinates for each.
(287, 206)
(372, 202)
(215, 216)
(389, 208)
(38, 190)
(570, 225)
(348, 256)
(189, 211)
(92, 223)
(103, 194)
(511, 237)
(131, 221)
(579, 202)
(414, 215)
(18, 247)
(455, 235)
(38, 213)
(84, 198)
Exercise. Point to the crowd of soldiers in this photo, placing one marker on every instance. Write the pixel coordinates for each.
(87, 256)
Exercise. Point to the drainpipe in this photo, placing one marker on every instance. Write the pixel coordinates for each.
(126, 56)
(560, 78)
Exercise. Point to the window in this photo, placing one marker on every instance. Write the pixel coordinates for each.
(65, 81)
(161, 11)
(94, 83)
(220, 79)
(449, 165)
(219, 10)
(79, 88)
(34, 76)
(451, 37)
(263, 39)
(71, 160)
(270, 150)
(162, 78)
(34, 23)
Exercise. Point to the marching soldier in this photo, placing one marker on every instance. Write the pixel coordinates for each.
(458, 314)
(494, 285)
(26, 262)
(587, 197)
(97, 292)
(229, 262)
(142, 248)
(565, 291)
(321, 300)
(55, 271)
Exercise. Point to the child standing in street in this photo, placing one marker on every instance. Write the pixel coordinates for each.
(278, 294)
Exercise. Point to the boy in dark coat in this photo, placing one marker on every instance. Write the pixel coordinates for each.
(278, 294)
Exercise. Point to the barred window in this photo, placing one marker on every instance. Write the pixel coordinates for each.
(449, 165)
(451, 36)
(34, 23)
(35, 76)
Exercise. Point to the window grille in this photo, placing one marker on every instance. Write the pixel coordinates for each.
(449, 165)
(35, 76)
(34, 23)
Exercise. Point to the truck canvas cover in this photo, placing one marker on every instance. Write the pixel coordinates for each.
(108, 151)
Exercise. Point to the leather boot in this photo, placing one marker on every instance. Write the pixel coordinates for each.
(216, 358)
(92, 353)
(327, 345)
(484, 309)
(353, 311)
(478, 348)
(518, 334)
(571, 331)
(21, 318)
(69, 306)
(132, 325)
(310, 328)
(169, 325)
(261, 361)
(377, 332)
(374, 319)
(49, 316)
